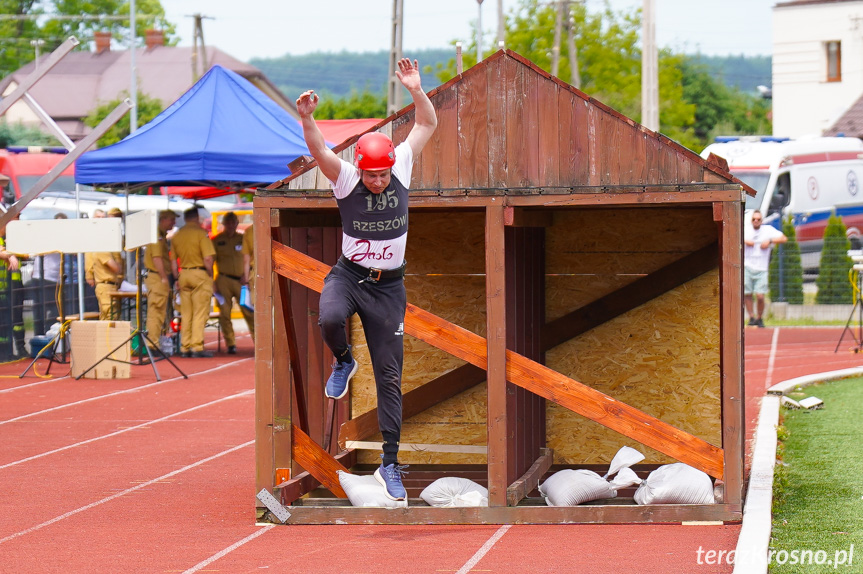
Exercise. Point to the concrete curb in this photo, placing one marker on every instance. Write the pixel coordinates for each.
(785, 387)
(750, 556)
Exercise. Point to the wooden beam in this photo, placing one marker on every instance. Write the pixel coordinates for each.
(731, 349)
(265, 463)
(495, 300)
(554, 333)
(520, 217)
(416, 401)
(519, 489)
(630, 296)
(530, 375)
(317, 462)
(293, 351)
(290, 490)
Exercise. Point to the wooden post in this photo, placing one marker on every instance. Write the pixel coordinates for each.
(731, 346)
(495, 281)
(264, 381)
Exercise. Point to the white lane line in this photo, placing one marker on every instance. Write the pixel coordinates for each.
(229, 549)
(773, 346)
(127, 429)
(28, 385)
(132, 390)
(124, 492)
(482, 551)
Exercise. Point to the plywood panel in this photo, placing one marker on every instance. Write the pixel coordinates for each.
(445, 243)
(473, 137)
(630, 240)
(662, 357)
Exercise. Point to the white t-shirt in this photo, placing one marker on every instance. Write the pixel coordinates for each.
(381, 254)
(755, 257)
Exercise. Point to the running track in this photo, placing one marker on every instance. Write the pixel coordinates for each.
(142, 476)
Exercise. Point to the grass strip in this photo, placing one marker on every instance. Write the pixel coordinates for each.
(818, 486)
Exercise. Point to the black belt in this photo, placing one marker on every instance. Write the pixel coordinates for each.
(191, 268)
(234, 277)
(373, 274)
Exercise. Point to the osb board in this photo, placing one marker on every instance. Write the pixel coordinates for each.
(593, 252)
(662, 357)
(445, 275)
(625, 240)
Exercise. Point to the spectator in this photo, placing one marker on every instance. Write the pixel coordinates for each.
(249, 268)
(45, 279)
(758, 243)
(194, 252)
(11, 303)
(229, 282)
(157, 261)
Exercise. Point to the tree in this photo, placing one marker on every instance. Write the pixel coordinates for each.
(357, 105)
(148, 108)
(609, 63)
(21, 135)
(70, 17)
(786, 285)
(834, 286)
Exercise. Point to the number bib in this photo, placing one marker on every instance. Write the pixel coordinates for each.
(377, 217)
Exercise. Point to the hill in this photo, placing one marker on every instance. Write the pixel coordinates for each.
(336, 74)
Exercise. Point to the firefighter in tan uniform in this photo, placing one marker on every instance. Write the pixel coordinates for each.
(157, 261)
(104, 271)
(194, 250)
(229, 265)
(107, 275)
(248, 251)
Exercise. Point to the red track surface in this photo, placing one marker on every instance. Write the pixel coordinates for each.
(138, 476)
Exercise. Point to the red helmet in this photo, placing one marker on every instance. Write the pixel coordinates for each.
(375, 151)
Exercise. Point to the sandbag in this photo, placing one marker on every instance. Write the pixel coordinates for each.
(676, 483)
(452, 491)
(365, 490)
(570, 487)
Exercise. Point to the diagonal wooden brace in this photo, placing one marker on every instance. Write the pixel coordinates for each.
(528, 374)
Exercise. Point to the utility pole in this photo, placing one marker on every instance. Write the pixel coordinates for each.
(574, 74)
(479, 33)
(394, 91)
(198, 34)
(501, 28)
(555, 50)
(649, 68)
(133, 85)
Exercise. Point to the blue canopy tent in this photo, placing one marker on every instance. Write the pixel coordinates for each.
(224, 132)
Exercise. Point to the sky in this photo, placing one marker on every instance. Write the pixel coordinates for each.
(248, 29)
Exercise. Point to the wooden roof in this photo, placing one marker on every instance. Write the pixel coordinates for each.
(507, 126)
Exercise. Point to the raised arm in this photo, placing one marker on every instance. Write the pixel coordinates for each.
(327, 160)
(425, 119)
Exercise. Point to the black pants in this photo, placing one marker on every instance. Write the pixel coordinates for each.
(381, 308)
(44, 295)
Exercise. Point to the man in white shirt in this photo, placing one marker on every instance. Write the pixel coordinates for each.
(368, 280)
(758, 242)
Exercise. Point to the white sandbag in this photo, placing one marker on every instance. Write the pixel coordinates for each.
(676, 483)
(572, 487)
(365, 490)
(451, 491)
(625, 457)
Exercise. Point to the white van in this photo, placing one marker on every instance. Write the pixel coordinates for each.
(806, 178)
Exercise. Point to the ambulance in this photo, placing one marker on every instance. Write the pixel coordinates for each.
(806, 178)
